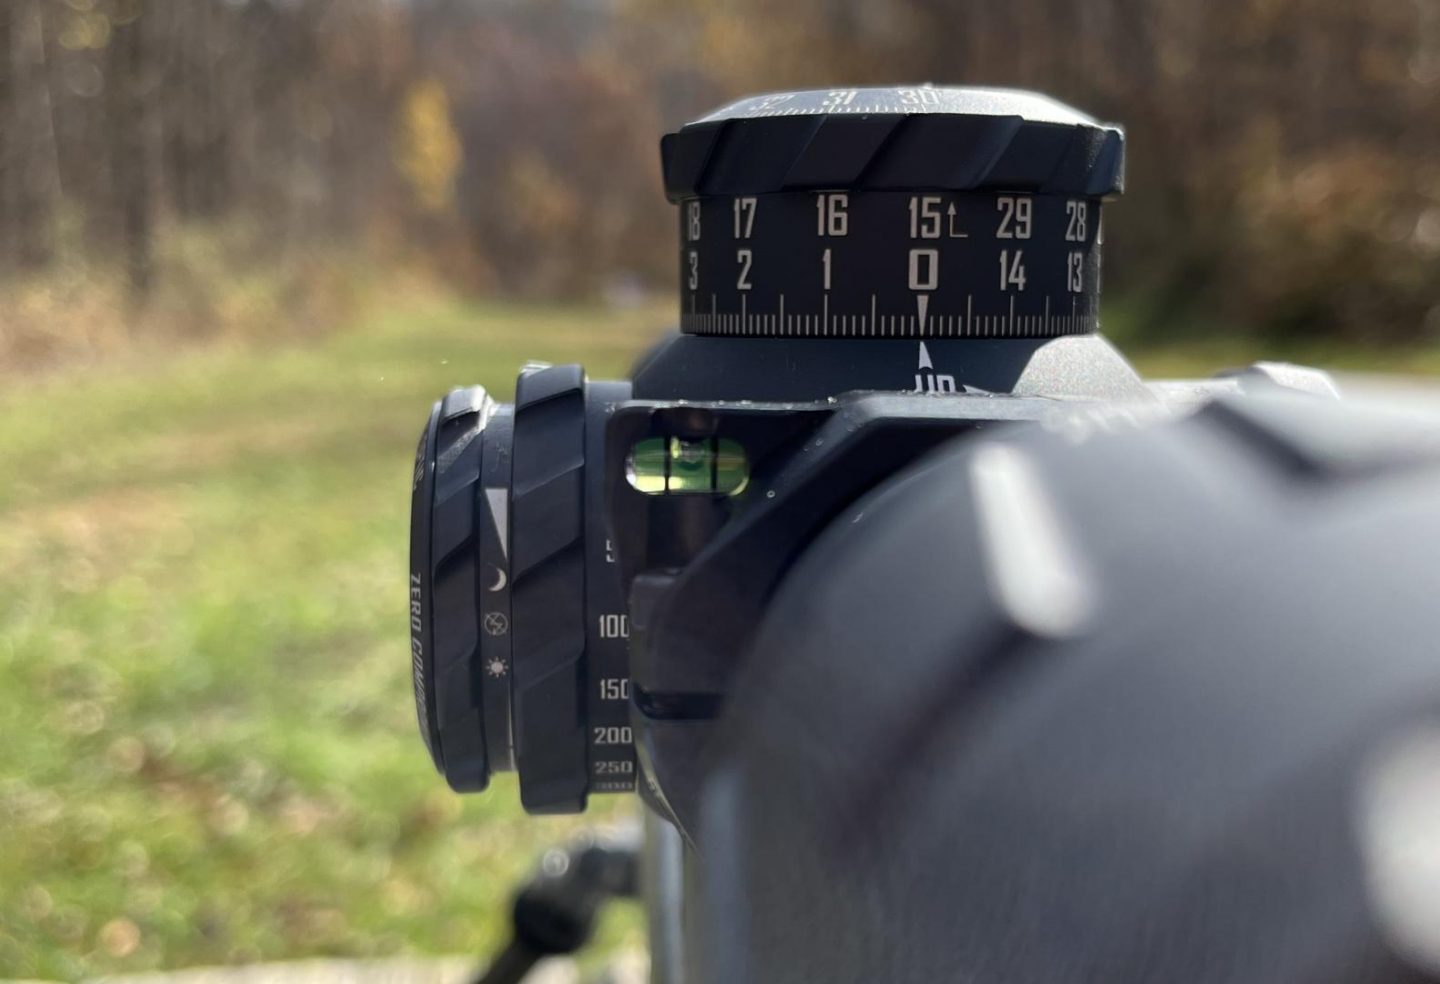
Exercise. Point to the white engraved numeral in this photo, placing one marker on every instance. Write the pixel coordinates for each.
(611, 735)
(925, 217)
(744, 217)
(832, 214)
(924, 269)
(1015, 216)
(1012, 269)
(744, 258)
(1078, 214)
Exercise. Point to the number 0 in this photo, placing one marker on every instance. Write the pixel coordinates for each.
(924, 269)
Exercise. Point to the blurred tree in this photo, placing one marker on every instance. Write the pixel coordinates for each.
(129, 141)
(28, 185)
(1283, 169)
(429, 151)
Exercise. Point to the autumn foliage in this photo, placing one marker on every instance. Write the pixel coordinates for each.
(1285, 162)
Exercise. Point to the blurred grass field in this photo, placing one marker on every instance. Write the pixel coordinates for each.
(207, 751)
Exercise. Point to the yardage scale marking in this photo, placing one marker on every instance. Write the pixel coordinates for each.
(921, 323)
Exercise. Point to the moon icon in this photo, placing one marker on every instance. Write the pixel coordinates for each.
(501, 579)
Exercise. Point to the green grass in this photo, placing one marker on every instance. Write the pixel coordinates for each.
(207, 751)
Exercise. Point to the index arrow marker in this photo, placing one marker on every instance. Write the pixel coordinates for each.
(954, 233)
(499, 500)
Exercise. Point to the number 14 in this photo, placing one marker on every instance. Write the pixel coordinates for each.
(1012, 269)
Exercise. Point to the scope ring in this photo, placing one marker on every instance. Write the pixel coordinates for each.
(448, 688)
(547, 578)
(965, 140)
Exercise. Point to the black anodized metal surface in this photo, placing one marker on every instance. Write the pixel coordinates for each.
(609, 736)
(844, 264)
(547, 568)
(494, 594)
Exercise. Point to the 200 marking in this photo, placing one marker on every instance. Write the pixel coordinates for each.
(611, 735)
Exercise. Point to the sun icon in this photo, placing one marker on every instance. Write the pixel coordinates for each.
(496, 667)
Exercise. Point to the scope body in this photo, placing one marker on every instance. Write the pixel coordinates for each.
(889, 584)
(907, 240)
(864, 274)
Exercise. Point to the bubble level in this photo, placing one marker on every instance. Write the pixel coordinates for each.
(674, 466)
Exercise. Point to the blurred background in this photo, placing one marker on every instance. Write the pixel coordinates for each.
(244, 243)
